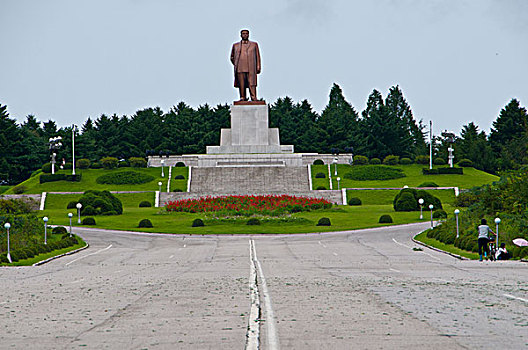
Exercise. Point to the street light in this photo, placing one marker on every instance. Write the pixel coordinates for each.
(159, 184)
(335, 166)
(70, 215)
(45, 218)
(7, 226)
(497, 222)
(431, 208)
(54, 144)
(74, 129)
(79, 206)
(338, 179)
(456, 217)
(162, 164)
(421, 201)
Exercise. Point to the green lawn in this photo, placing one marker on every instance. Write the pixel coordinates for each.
(4, 188)
(89, 177)
(129, 200)
(414, 177)
(422, 237)
(385, 197)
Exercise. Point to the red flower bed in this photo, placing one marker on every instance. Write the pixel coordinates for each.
(249, 204)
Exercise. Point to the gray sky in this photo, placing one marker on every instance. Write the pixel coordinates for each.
(456, 61)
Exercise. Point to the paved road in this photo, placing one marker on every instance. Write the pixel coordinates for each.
(364, 289)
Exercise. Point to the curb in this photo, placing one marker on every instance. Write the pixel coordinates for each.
(438, 250)
(42, 262)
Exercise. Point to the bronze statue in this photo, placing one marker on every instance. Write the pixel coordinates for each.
(245, 57)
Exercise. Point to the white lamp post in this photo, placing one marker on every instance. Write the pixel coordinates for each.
(497, 222)
(338, 179)
(159, 184)
(335, 166)
(70, 215)
(162, 164)
(7, 226)
(74, 129)
(45, 218)
(456, 217)
(431, 208)
(79, 206)
(421, 202)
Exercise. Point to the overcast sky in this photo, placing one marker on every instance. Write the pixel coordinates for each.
(456, 61)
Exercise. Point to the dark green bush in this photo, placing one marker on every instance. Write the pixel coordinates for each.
(88, 210)
(440, 214)
(19, 189)
(145, 204)
(179, 177)
(137, 162)
(253, 221)
(177, 190)
(421, 160)
(100, 202)
(83, 163)
(127, 177)
(375, 161)
(439, 161)
(72, 205)
(88, 221)
(405, 161)
(406, 202)
(318, 162)
(373, 172)
(109, 162)
(109, 212)
(360, 160)
(198, 223)
(428, 184)
(320, 188)
(391, 160)
(59, 177)
(123, 164)
(145, 223)
(96, 165)
(385, 219)
(324, 222)
(67, 166)
(180, 165)
(354, 201)
(442, 171)
(59, 230)
(15, 206)
(46, 168)
(320, 176)
(465, 163)
(465, 199)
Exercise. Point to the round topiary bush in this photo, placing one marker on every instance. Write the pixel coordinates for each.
(439, 161)
(253, 221)
(145, 223)
(137, 162)
(128, 177)
(428, 184)
(412, 195)
(198, 223)
(318, 162)
(320, 176)
(324, 222)
(373, 172)
(97, 202)
(180, 164)
(421, 160)
(72, 205)
(177, 190)
(375, 161)
(123, 164)
(46, 168)
(96, 165)
(109, 162)
(360, 160)
(354, 201)
(145, 204)
(391, 160)
(59, 230)
(179, 177)
(83, 163)
(88, 221)
(321, 188)
(88, 210)
(439, 214)
(406, 202)
(385, 219)
(465, 163)
(405, 161)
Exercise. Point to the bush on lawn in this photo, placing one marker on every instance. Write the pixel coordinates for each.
(443, 170)
(109, 162)
(83, 163)
(198, 223)
(320, 176)
(324, 222)
(89, 210)
(180, 165)
(46, 168)
(354, 201)
(59, 230)
(253, 221)
(465, 199)
(405, 161)
(96, 165)
(406, 202)
(409, 202)
(123, 164)
(320, 188)
(127, 177)
(145, 204)
(465, 163)
(145, 223)
(428, 184)
(88, 221)
(318, 162)
(177, 190)
(421, 160)
(391, 160)
(100, 202)
(439, 161)
(72, 205)
(375, 161)
(360, 160)
(385, 219)
(137, 162)
(373, 172)
(179, 177)
(439, 214)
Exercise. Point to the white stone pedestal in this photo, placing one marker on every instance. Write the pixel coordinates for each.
(249, 133)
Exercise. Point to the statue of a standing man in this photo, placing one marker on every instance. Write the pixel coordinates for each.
(245, 57)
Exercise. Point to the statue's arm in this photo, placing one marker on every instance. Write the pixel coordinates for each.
(258, 58)
(233, 54)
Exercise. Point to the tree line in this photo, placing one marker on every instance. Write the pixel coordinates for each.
(387, 126)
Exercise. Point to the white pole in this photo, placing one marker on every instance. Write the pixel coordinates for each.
(73, 149)
(430, 144)
(456, 216)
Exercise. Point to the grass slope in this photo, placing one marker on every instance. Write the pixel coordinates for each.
(422, 237)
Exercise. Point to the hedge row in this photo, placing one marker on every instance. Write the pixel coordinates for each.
(59, 177)
(40, 248)
(442, 171)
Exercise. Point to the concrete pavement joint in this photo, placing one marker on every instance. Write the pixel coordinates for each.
(515, 298)
(253, 329)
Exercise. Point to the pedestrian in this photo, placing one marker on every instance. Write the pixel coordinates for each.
(502, 253)
(483, 238)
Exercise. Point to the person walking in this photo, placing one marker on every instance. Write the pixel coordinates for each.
(483, 238)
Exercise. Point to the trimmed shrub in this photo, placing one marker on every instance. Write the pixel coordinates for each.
(318, 162)
(253, 221)
(109, 212)
(373, 172)
(406, 205)
(137, 162)
(406, 202)
(96, 165)
(59, 177)
(89, 210)
(440, 214)
(145, 204)
(385, 219)
(360, 160)
(123, 164)
(428, 184)
(442, 171)
(198, 223)
(354, 201)
(465, 163)
(109, 162)
(179, 177)
(83, 163)
(145, 223)
(177, 190)
(320, 188)
(67, 166)
(391, 160)
(97, 202)
(59, 230)
(19, 189)
(180, 165)
(46, 168)
(127, 177)
(72, 205)
(320, 176)
(439, 161)
(88, 221)
(324, 222)
(375, 161)
(421, 160)
(405, 161)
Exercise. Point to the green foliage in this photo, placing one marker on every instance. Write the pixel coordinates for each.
(465, 199)
(407, 200)
(385, 219)
(59, 230)
(428, 184)
(59, 177)
(98, 202)
(83, 163)
(439, 214)
(88, 221)
(46, 168)
(373, 172)
(465, 163)
(179, 177)
(354, 201)
(421, 159)
(177, 190)
(14, 206)
(375, 161)
(405, 161)
(145, 204)
(123, 164)
(127, 177)
(72, 205)
(318, 162)
(89, 210)
(136, 162)
(199, 223)
(439, 161)
(109, 162)
(180, 165)
(360, 160)
(391, 160)
(321, 188)
(96, 165)
(253, 221)
(320, 176)
(145, 223)
(19, 189)
(443, 171)
(324, 221)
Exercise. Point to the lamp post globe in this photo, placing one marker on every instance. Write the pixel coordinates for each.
(79, 206)
(162, 168)
(7, 226)
(70, 215)
(431, 208)
(159, 184)
(421, 202)
(335, 166)
(497, 222)
(456, 217)
(45, 219)
(338, 179)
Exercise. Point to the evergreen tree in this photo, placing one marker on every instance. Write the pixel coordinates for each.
(473, 145)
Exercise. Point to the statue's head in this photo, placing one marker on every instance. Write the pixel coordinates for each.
(244, 34)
